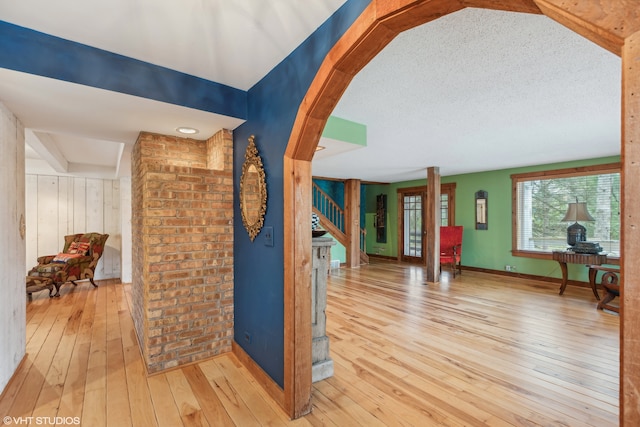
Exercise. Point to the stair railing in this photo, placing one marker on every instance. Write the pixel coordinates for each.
(325, 204)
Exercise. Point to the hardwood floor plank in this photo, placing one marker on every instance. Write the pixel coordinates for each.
(41, 348)
(327, 395)
(51, 392)
(266, 413)
(481, 335)
(164, 405)
(368, 397)
(140, 404)
(37, 310)
(480, 350)
(190, 411)
(237, 409)
(248, 377)
(72, 399)
(212, 407)
(118, 411)
(94, 410)
(401, 401)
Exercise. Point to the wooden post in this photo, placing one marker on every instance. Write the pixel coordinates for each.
(352, 221)
(297, 287)
(431, 243)
(630, 236)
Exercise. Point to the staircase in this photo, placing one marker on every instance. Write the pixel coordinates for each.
(332, 219)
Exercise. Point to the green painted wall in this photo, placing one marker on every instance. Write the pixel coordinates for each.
(489, 249)
(345, 130)
(338, 251)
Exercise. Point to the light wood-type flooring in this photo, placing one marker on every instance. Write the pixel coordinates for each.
(476, 350)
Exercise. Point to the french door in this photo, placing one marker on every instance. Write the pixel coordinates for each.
(411, 231)
(412, 227)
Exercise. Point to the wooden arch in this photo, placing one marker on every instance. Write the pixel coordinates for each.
(612, 24)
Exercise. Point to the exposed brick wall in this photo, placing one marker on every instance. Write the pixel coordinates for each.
(182, 248)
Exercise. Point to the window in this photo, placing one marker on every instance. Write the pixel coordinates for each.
(540, 201)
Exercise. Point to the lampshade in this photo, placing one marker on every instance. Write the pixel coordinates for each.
(577, 212)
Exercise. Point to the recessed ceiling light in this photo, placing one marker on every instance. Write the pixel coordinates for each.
(187, 131)
(320, 147)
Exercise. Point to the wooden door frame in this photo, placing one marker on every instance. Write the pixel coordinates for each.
(402, 192)
(448, 188)
(603, 22)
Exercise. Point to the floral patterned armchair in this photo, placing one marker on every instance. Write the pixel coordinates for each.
(77, 261)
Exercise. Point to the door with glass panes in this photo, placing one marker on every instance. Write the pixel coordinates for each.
(412, 233)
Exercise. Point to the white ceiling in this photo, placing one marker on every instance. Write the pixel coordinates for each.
(475, 90)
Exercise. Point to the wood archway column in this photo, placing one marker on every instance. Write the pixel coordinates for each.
(352, 221)
(608, 23)
(432, 225)
(630, 236)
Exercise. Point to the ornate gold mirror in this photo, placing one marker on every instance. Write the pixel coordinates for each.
(253, 191)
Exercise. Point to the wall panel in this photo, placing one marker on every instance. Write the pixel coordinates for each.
(12, 246)
(61, 205)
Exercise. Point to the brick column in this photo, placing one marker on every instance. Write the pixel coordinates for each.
(182, 227)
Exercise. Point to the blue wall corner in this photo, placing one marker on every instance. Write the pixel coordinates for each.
(259, 273)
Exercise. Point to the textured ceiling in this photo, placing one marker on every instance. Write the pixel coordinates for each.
(475, 90)
(481, 90)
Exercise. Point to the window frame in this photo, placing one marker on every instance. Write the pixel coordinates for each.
(605, 168)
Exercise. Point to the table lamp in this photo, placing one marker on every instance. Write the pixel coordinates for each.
(577, 212)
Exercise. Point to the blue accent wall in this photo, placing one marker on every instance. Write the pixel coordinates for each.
(33, 52)
(259, 269)
(269, 108)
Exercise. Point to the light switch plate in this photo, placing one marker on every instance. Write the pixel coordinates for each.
(268, 236)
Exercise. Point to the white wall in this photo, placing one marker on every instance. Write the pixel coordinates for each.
(12, 246)
(125, 226)
(61, 205)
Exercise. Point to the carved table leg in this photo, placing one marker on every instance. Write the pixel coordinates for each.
(592, 281)
(565, 276)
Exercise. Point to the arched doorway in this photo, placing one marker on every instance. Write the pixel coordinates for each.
(604, 22)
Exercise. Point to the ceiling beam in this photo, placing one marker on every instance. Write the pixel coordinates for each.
(47, 149)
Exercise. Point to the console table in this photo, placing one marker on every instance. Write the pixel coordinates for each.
(564, 257)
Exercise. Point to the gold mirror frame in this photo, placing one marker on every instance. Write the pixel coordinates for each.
(253, 191)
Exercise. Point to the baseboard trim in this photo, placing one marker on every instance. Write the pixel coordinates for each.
(390, 258)
(527, 276)
(270, 386)
(505, 273)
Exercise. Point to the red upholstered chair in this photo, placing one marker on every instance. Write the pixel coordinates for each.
(451, 247)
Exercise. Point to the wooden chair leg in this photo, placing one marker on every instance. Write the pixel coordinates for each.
(608, 297)
(612, 290)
